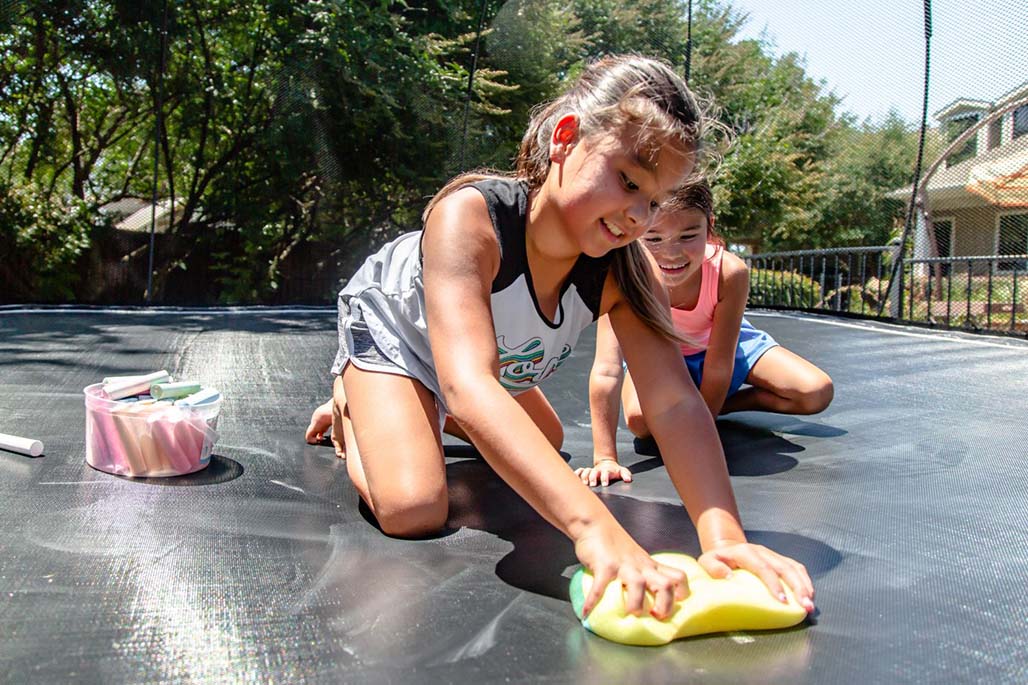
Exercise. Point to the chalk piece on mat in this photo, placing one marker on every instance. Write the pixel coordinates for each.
(13, 443)
(714, 605)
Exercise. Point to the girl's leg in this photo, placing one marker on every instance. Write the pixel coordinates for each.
(536, 405)
(393, 449)
(532, 401)
(538, 408)
(785, 383)
(633, 413)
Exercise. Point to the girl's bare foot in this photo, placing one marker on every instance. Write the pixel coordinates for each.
(324, 419)
(321, 421)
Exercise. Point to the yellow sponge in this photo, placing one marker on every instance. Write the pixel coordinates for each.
(714, 605)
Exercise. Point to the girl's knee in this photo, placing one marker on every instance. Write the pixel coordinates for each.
(415, 515)
(636, 423)
(817, 396)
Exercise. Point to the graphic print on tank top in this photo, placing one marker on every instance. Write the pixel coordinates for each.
(530, 346)
(522, 366)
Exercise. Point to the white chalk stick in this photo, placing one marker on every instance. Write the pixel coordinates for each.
(121, 379)
(28, 446)
(135, 386)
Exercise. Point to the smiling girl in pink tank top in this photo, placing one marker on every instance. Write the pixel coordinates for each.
(707, 287)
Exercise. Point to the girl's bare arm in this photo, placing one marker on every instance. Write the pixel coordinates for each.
(719, 362)
(460, 260)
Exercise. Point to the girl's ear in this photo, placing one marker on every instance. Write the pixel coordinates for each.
(565, 135)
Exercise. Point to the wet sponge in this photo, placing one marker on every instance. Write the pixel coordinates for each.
(714, 605)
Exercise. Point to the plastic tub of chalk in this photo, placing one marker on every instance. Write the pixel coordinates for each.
(148, 438)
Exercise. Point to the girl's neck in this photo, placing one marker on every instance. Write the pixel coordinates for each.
(546, 239)
(686, 295)
(550, 257)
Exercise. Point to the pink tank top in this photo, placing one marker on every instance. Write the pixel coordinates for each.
(695, 324)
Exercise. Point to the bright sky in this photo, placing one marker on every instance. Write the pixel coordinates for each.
(871, 52)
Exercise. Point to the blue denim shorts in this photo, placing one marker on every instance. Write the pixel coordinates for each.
(752, 345)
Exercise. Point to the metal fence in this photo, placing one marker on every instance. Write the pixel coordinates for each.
(977, 293)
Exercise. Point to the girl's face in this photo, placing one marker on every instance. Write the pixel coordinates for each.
(607, 194)
(678, 241)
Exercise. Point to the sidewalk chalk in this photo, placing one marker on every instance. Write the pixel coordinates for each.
(135, 386)
(121, 379)
(161, 391)
(205, 396)
(13, 443)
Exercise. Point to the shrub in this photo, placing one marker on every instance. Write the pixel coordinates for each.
(40, 242)
(783, 289)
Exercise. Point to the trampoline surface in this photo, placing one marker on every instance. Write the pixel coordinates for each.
(905, 500)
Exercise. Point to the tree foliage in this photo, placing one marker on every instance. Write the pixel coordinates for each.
(294, 136)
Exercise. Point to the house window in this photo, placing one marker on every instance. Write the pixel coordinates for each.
(1013, 239)
(1020, 121)
(995, 133)
(954, 128)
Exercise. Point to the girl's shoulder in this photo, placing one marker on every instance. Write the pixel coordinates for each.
(731, 263)
(459, 225)
(734, 277)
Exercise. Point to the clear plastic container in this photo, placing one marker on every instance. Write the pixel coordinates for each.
(148, 440)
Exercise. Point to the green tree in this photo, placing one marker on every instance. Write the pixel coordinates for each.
(296, 136)
(868, 161)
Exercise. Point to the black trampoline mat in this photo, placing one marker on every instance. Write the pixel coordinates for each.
(905, 500)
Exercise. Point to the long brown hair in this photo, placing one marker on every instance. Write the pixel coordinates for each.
(612, 94)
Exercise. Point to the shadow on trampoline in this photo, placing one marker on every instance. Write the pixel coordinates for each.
(542, 555)
(749, 450)
(465, 451)
(220, 470)
(783, 423)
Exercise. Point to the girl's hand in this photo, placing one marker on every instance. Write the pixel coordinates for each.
(604, 472)
(612, 556)
(768, 565)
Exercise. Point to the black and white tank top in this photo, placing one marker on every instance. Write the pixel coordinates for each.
(387, 294)
(532, 347)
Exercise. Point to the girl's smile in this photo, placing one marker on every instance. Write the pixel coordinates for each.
(678, 241)
(613, 231)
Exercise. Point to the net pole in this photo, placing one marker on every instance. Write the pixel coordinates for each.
(898, 261)
(158, 106)
(688, 42)
(471, 82)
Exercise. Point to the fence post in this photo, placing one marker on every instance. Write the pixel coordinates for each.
(894, 293)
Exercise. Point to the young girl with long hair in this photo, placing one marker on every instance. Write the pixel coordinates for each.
(467, 316)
